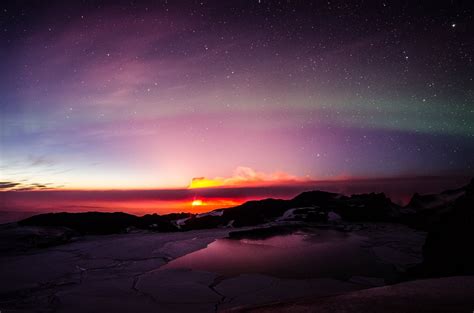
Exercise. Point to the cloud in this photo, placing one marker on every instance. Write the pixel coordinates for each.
(244, 176)
(34, 160)
(17, 186)
(8, 185)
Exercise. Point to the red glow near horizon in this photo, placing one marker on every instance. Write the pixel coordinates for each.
(135, 206)
(181, 200)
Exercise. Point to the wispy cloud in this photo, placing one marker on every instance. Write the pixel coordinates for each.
(8, 185)
(24, 186)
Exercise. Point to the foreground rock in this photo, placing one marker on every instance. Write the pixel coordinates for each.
(448, 247)
(426, 211)
(14, 239)
(452, 294)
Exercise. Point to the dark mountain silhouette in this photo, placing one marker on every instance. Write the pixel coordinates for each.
(448, 218)
(104, 223)
(448, 247)
(312, 206)
(84, 223)
(424, 211)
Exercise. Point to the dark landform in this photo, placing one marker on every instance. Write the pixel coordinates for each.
(447, 218)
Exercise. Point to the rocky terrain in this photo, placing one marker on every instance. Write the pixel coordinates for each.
(451, 294)
(95, 262)
(312, 206)
(124, 272)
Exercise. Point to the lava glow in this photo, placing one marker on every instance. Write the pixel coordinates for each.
(197, 202)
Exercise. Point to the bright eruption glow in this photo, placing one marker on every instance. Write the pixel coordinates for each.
(197, 202)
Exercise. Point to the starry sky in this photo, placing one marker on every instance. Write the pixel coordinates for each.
(169, 94)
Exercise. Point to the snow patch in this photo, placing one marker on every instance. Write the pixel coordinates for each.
(182, 221)
(212, 213)
(289, 214)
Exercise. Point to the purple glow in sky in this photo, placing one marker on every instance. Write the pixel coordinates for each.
(98, 95)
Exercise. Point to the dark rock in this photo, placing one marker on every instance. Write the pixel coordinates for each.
(100, 223)
(424, 211)
(204, 222)
(256, 212)
(18, 239)
(448, 247)
(420, 202)
(312, 206)
(310, 214)
(84, 223)
(162, 223)
(373, 207)
(317, 197)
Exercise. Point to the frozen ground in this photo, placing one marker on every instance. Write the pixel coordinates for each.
(121, 273)
(439, 295)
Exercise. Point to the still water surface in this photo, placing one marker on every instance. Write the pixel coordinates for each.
(323, 253)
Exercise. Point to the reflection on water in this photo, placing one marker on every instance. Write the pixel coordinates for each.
(325, 253)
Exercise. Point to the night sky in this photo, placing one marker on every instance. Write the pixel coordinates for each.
(144, 95)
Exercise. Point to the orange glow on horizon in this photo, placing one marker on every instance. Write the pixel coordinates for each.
(137, 207)
(197, 202)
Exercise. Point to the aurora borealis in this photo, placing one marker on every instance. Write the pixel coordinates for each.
(101, 95)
